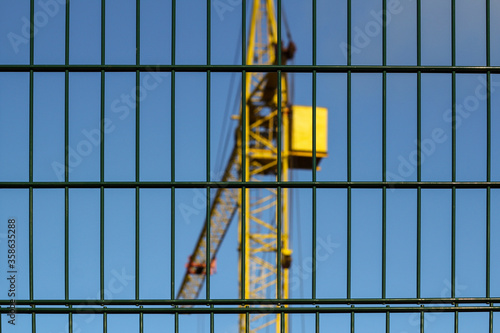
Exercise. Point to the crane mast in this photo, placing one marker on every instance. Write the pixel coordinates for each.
(264, 149)
(266, 96)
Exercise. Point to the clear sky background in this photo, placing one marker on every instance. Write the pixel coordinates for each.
(190, 156)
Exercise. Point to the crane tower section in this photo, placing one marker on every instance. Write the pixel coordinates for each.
(273, 136)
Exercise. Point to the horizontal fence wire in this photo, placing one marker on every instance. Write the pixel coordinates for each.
(252, 184)
(256, 68)
(259, 310)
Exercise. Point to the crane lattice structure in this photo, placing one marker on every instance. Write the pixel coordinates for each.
(263, 135)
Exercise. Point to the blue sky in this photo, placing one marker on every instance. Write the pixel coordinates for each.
(190, 156)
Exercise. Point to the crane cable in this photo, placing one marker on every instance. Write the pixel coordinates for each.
(290, 39)
(294, 199)
(224, 139)
(225, 129)
(285, 21)
(295, 224)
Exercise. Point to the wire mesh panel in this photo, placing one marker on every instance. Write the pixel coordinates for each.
(155, 175)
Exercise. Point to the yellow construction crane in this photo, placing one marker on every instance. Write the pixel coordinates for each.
(255, 159)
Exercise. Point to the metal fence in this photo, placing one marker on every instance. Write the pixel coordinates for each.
(450, 308)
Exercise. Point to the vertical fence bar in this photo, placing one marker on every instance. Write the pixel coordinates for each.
(384, 33)
(172, 242)
(349, 189)
(349, 32)
(314, 34)
(488, 152)
(209, 32)
(388, 320)
(278, 32)
(282, 321)
(419, 241)
(453, 198)
(208, 259)
(488, 243)
(384, 148)
(208, 97)
(66, 164)
(453, 249)
(488, 32)
(101, 162)
(349, 199)
(353, 320)
(279, 197)
(456, 319)
(66, 243)
(105, 322)
(453, 33)
(101, 243)
(70, 319)
(314, 161)
(488, 161)
(31, 291)
(212, 321)
(141, 321)
(279, 204)
(314, 241)
(422, 322)
(243, 190)
(316, 317)
(66, 161)
(384, 241)
(137, 242)
(172, 162)
(488, 190)
(137, 144)
(454, 190)
(419, 159)
(30, 176)
(454, 157)
(32, 32)
(33, 321)
(31, 126)
(243, 34)
(208, 92)
(490, 330)
(243, 284)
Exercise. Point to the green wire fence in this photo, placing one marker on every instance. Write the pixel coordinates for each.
(314, 306)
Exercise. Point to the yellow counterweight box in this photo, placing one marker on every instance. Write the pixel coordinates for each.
(301, 136)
